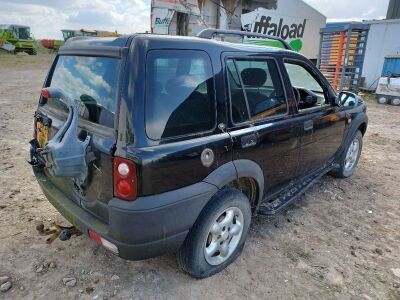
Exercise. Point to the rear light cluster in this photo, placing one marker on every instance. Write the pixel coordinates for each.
(101, 241)
(45, 93)
(125, 179)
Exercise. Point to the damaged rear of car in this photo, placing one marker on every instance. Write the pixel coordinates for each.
(75, 132)
(93, 160)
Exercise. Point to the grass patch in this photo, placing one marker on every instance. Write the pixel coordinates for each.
(22, 59)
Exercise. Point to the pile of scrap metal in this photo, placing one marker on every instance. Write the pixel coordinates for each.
(17, 38)
(64, 233)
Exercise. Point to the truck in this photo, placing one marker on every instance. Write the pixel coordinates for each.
(17, 38)
(68, 33)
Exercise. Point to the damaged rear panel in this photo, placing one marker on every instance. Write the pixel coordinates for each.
(78, 117)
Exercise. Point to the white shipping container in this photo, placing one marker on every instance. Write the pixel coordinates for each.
(383, 40)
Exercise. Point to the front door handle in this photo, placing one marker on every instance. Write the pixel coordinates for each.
(308, 125)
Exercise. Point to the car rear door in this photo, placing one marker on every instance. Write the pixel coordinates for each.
(92, 82)
(323, 124)
(261, 122)
(176, 101)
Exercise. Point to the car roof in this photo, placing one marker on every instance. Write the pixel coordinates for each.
(157, 41)
(154, 41)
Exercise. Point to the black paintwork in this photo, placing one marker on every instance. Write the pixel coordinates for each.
(275, 152)
(283, 149)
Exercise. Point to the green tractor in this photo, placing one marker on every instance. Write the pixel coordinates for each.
(16, 38)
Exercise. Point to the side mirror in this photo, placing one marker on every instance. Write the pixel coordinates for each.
(346, 99)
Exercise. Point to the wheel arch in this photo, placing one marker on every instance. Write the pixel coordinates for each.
(360, 122)
(363, 128)
(243, 174)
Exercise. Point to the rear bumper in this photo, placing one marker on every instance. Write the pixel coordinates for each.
(147, 227)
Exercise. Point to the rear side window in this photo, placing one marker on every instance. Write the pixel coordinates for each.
(179, 93)
(91, 82)
(256, 89)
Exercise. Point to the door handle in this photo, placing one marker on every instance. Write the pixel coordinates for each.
(248, 141)
(308, 125)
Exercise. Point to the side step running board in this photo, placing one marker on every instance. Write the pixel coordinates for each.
(291, 195)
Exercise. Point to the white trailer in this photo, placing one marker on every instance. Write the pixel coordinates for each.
(388, 91)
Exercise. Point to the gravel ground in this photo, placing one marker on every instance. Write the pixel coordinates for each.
(339, 241)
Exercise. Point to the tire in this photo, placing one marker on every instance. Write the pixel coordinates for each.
(33, 52)
(395, 101)
(382, 99)
(199, 255)
(348, 161)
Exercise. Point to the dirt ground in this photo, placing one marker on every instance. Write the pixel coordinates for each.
(339, 241)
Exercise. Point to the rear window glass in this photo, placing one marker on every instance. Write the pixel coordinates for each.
(179, 93)
(92, 83)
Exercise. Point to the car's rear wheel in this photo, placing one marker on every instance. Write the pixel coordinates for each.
(218, 236)
(349, 159)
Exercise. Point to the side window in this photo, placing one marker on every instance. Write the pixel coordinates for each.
(179, 93)
(308, 91)
(256, 89)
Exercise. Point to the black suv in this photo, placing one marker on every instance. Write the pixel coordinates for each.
(155, 144)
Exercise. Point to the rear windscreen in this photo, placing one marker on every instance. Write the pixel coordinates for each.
(91, 82)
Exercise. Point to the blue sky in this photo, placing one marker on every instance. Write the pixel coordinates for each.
(48, 17)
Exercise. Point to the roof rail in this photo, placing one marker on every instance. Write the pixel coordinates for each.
(210, 32)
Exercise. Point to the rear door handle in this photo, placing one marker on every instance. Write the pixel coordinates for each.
(308, 125)
(248, 141)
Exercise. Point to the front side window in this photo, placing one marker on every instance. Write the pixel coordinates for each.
(308, 91)
(256, 89)
(179, 93)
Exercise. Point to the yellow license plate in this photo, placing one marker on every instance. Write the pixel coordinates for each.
(42, 132)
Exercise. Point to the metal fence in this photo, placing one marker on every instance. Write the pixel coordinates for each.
(341, 55)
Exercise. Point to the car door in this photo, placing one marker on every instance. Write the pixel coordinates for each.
(262, 126)
(323, 122)
(182, 144)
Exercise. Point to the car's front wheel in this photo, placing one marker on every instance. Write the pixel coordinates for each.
(349, 159)
(218, 236)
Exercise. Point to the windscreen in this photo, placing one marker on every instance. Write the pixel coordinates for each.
(23, 33)
(91, 82)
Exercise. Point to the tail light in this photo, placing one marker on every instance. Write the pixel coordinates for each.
(45, 93)
(125, 179)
